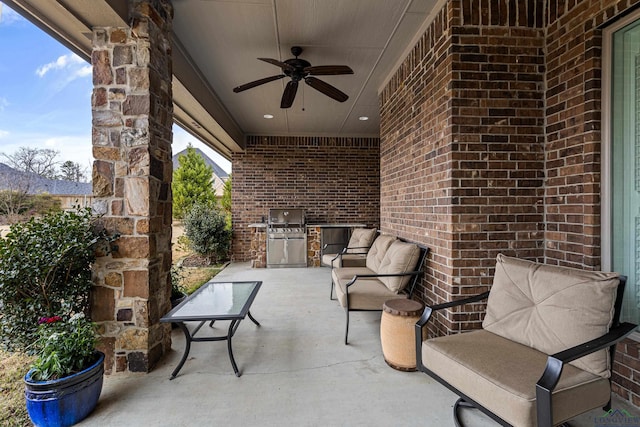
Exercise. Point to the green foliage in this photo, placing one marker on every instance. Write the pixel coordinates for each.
(45, 270)
(192, 183)
(64, 347)
(177, 278)
(207, 231)
(225, 201)
(183, 243)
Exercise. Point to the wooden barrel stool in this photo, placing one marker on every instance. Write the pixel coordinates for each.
(397, 332)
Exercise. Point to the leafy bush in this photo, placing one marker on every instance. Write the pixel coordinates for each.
(205, 226)
(177, 277)
(45, 270)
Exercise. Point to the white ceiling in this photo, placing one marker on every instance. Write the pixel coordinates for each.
(217, 43)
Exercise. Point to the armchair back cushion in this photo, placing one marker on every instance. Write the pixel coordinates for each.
(552, 308)
(401, 257)
(377, 251)
(361, 238)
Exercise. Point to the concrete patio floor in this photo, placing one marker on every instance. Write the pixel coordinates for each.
(296, 371)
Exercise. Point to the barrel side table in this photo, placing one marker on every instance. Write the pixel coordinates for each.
(397, 332)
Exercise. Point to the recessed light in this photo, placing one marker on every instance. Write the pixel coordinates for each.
(363, 118)
(268, 116)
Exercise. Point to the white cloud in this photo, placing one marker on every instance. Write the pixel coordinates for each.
(3, 103)
(63, 62)
(4, 133)
(8, 16)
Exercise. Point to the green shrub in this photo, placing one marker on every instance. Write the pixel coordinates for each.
(45, 270)
(205, 226)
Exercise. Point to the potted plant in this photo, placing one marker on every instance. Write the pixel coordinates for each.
(64, 383)
(45, 284)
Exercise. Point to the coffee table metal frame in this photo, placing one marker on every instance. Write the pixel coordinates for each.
(199, 307)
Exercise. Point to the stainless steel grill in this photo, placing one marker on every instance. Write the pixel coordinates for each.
(286, 238)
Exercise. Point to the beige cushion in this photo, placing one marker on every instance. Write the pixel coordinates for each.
(501, 375)
(328, 260)
(401, 257)
(377, 251)
(552, 308)
(361, 239)
(364, 294)
(345, 260)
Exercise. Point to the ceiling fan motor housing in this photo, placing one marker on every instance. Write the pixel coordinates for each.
(299, 65)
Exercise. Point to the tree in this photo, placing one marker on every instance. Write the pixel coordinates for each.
(192, 183)
(225, 201)
(72, 171)
(14, 196)
(41, 161)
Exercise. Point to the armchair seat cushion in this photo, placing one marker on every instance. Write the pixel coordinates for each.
(364, 294)
(501, 374)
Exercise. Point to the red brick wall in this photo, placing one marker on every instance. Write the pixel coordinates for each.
(335, 180)
(490, 142)
(573, 147)
(462, 149)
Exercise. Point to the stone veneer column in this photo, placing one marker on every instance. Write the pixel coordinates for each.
(132, 134)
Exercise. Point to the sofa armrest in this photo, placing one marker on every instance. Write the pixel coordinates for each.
(426, 315)
(555, 363)
(364, 276)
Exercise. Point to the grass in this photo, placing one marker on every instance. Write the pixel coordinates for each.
(194, 277)
(13, 412)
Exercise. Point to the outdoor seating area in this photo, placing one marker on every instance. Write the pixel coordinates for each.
(295, 371)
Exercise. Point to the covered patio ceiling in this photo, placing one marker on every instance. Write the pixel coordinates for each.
(217, 43)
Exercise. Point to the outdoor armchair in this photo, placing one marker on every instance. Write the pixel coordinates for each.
(545, 352)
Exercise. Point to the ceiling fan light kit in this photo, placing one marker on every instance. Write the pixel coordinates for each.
(298, 69)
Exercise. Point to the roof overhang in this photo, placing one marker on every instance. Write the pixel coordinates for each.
(197, 109)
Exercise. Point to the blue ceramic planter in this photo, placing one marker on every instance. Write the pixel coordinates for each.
(65, 401)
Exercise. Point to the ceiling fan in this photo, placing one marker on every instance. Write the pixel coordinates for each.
(299, 69)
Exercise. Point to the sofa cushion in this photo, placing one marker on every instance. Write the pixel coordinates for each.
(400, 258)
(345, 260)
(364, 294)
(361, 239)
(377, 251)
(552, 308)
(501, 374)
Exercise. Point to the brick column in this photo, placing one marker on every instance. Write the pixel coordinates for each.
(132, 134)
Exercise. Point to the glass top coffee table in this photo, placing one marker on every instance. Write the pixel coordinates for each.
(214, 301)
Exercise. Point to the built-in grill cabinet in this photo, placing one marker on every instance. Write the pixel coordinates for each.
(286, 238)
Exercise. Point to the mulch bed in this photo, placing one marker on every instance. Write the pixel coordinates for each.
(196, 261)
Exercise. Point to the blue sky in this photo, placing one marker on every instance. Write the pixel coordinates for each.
(45, 95)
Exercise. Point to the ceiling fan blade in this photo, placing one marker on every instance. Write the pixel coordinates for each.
(257, 83)
(289, 94)
(277, 63)
(327, 89)
(328, 70)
